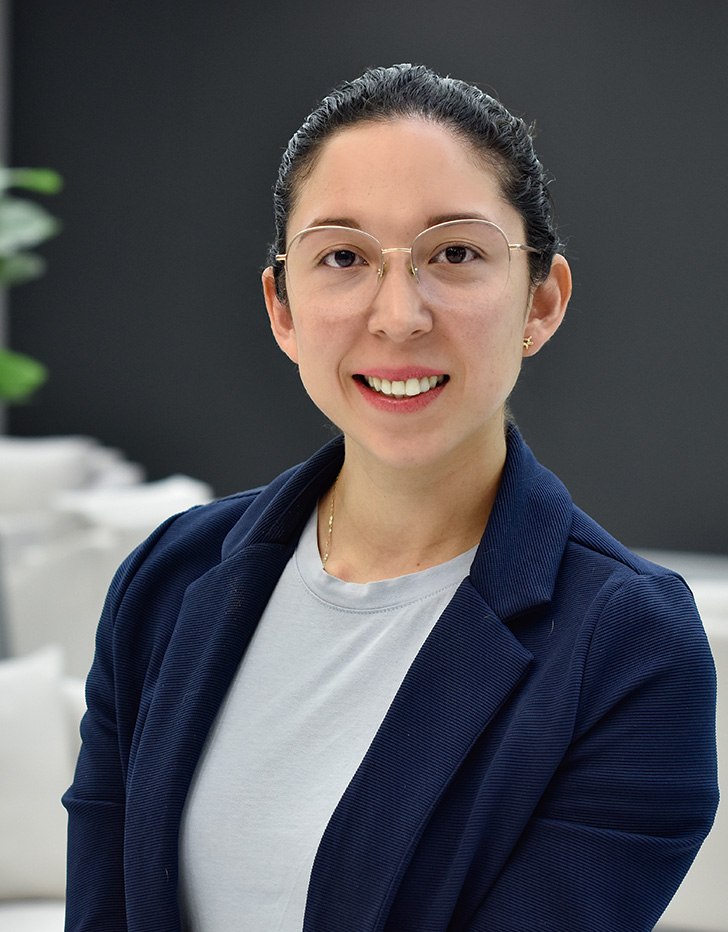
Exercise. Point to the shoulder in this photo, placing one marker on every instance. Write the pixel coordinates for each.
(203, 526)
(614, 576)
(144, 600)
(181, 549)
(612, 571)
(640, 619)
(605, 598)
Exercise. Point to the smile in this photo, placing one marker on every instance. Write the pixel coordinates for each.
(405, 388)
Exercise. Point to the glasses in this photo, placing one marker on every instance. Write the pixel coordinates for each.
(340, 267)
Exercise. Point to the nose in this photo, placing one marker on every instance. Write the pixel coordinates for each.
(398, 309)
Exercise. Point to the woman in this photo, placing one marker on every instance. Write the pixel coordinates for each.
(408, 685)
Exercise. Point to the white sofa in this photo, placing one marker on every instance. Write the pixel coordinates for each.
(40, 711)
(70, 511)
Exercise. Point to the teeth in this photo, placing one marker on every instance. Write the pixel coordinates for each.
(401, 389)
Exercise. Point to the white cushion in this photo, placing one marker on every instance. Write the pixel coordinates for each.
(33, 469)
(32, 916)
(36, 767)
(138, 508)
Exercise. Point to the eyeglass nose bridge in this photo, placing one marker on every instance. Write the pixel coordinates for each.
(414, 272)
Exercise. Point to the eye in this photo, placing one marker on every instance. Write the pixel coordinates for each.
(456, 254)
(343, 259)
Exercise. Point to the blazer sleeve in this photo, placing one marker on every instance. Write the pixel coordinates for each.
(96, 800)
(636, 793)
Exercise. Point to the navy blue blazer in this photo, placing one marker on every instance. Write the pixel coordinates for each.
(548, 763)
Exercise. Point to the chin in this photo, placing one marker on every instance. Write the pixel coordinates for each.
(406, 453)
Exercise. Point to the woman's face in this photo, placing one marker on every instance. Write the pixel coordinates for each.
(393, 180)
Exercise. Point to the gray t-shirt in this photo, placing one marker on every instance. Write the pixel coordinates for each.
(313, 687)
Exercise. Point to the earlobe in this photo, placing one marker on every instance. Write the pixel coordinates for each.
(281, 319)
(548, 306)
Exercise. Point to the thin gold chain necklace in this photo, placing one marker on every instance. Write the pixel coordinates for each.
(325, 557)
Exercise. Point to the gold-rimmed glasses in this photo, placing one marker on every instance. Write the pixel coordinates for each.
(337, 267)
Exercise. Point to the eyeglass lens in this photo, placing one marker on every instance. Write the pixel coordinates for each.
(339, 267)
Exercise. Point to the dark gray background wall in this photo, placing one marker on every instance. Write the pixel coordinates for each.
(167, 119)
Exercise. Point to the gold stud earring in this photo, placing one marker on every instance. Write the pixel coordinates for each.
(527, 343)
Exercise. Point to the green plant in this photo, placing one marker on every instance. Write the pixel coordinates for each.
(23, 225)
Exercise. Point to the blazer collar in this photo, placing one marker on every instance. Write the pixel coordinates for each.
(279, 513)
(518, 558)
(521, 550)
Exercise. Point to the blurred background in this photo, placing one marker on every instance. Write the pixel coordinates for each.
(167, 119)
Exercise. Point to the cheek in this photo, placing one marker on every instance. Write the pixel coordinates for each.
(493, 338)
(322, 341)
(321, 331)
(495, 329)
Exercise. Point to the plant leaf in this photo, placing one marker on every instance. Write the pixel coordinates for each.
(22, 267)
(20, 375)
(42, 180)
(24, 224)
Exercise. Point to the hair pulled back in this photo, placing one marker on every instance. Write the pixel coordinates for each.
(403, 91)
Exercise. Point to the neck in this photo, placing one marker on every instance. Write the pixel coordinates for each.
(388, 522)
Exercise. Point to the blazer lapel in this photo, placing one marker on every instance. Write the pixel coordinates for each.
(464, 672)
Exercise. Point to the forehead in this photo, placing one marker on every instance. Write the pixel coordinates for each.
(394, 175)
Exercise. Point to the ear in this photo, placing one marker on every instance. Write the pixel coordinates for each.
(548, 305)
(281, 319)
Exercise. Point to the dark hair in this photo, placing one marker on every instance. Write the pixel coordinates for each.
(382, 94)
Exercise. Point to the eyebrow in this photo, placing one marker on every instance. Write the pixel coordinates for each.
(446, 218)
(431, 221)
(334, 222)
